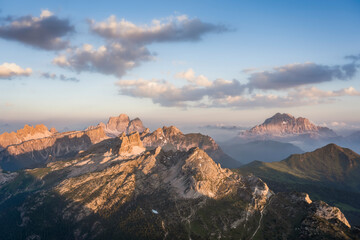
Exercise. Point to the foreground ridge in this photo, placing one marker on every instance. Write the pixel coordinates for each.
(119, 189)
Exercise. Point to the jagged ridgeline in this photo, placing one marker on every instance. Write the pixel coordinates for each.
(36, 146)
(159, 185)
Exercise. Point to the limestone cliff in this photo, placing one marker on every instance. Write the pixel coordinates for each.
(24, 134)
(36, 152)
(171, 138)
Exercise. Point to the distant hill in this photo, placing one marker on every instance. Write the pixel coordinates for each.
(262, 150)
(330, 173)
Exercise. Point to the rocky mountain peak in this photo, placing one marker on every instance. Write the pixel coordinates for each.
(24, 134)
(280, 118)
(171, 131)
(122, 124)
(130, 144)
(284, 124)
(135, 125)
(53, 130)
(119, 123)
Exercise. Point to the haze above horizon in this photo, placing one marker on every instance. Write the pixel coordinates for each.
(71, 64)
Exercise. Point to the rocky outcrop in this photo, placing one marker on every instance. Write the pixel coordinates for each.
(287, 125)
(294, 214)
(325, 211)
(24, 134)
(130, 144)
(37, 152)
(171, 138)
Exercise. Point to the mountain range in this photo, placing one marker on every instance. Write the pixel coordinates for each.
(121, 181)
(118, 189)
(282, 135)
(36, 146)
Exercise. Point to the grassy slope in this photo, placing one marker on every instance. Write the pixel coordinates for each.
(330, 173)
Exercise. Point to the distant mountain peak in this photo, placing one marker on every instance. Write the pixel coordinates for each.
(284, 124)
(279, 117)
(122, 124)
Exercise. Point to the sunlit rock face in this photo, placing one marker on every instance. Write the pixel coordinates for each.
(121, 124)
(287, 125)
(111, 191)
(36, 152)
(24, 134)
(171, 138)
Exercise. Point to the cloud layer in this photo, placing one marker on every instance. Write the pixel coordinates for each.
(45, 32)
(200, 92)
(10, 70)
(167, 94)
(294, 75)
(171, 29)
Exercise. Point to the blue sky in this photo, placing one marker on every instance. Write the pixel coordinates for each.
(189, 69)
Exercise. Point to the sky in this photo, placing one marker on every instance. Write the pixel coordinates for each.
(70, 64)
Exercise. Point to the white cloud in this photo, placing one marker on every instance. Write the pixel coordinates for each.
(112, 59)
(171, 29)
(10, 70)
(189, 75)
(224, 94)
(167, 94)
(126, 43)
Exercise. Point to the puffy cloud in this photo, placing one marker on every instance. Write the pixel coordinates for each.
(61, 77)
(112, 59)
(126, 45)
(45, 32)
(189, 75)
(294, 75)
(171, 29)
(10, 70)
(167, 94)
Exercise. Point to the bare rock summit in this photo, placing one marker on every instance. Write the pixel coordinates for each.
(24, 134)
(284, 125)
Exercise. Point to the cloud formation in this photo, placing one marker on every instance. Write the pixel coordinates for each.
(167, 94)
(171, 29)
(44, 32)
(201, 92)
(10, 70)
(113, 59)
(296, 97)
(189, 75)
(298, 74)
(126, 43)
(60, 77)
